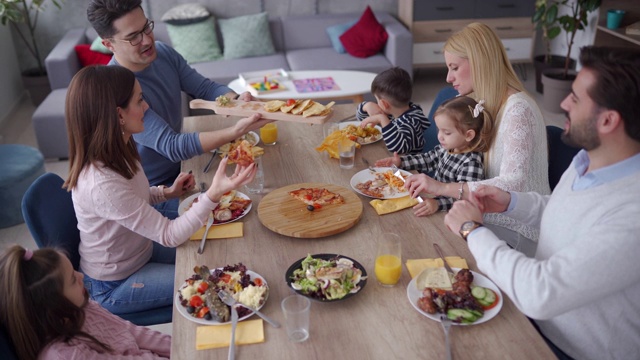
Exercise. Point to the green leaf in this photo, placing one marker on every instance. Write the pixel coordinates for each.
(553, 32)
(552, 14)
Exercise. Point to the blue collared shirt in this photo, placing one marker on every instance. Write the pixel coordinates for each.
(587, 180)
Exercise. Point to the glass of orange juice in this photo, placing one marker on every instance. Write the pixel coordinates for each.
(388, 267)
(269, 134)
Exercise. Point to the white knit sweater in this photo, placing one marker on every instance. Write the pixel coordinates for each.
(518, 161)
(583, 286)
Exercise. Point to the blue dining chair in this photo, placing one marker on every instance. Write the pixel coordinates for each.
(431, 133)
(48, 211)
(560, 155)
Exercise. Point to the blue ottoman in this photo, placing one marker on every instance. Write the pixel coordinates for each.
(20, 166)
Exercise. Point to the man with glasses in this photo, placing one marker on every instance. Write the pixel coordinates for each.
(163, 74)
(583, 285)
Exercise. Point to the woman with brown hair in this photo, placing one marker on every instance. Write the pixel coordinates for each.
(46, 312)
(127, 247)
(517, 156)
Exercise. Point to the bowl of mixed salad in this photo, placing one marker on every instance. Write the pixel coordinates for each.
(326, 277)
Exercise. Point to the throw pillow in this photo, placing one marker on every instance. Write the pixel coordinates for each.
(89, 57)
(196, 42)
(366, 38)
(96, 45)
(185, 14)
(335, 32)
(245, 36)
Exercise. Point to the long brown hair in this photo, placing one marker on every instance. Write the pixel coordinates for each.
(94, 133)
(461, 109)
(33, 308)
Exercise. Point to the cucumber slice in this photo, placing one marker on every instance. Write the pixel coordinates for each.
(484, 302)
(490, 296)
(478, 292)
(461, 315)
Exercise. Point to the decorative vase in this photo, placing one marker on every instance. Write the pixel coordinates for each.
(555, 62)
(37, 86)
(556, 88)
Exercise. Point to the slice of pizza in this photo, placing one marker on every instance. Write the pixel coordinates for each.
(241, 153)
(317, 196)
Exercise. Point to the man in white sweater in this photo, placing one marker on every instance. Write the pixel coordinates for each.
(582, 288)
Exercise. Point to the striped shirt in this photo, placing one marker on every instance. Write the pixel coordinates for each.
(447, 168)
(404, 135)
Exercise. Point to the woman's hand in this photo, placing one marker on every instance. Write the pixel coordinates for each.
(390, 161)
(183, 183)
(461, 212)
(253, 122)
(222, 183)
(427, 207)
(245, 96)
(418, 183)
(490, 199)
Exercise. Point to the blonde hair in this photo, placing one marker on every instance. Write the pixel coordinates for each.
(460, 109)
(491, 71)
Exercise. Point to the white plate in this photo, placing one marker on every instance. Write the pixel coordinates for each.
(252, 137)
(186, 204)
(183, 310)
(366, 175)
(478, 279)
(344, 124)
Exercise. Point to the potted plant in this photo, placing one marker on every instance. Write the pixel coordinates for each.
(559, 80)
(16, 13)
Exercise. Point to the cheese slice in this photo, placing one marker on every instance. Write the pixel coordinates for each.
(434, 278)
(247, 332)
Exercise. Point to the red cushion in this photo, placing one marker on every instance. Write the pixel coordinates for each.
(90, 57)
(367, 37)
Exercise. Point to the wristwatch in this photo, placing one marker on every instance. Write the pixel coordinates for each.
(467, 227)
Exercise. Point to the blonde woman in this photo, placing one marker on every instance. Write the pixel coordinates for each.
(517, 157)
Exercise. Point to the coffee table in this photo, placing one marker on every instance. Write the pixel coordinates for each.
(353, 85)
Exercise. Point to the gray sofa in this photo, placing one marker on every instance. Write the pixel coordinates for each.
(301, 43)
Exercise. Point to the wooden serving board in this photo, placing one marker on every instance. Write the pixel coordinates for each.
(285, 215)
(248, 108)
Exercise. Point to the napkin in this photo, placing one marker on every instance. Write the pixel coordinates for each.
(388, 206)
(225, 231)
(415, 266)
(247, 332)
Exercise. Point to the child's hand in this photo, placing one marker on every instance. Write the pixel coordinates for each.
(390, 161)
(380, 119)
(372, 108)
(427, 207)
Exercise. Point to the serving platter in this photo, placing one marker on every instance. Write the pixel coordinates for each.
(283, 214)
(248, 108)
(183, 310)
(298, 264)
(478, 279)
(344, 124)
(186, 204)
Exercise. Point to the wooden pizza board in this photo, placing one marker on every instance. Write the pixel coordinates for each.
(248, 108)
(285, 215)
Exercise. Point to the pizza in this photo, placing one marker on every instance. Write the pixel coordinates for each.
(384, 184)
(317, 197)
(241, 153)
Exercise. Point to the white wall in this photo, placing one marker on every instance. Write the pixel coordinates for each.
(11, 88)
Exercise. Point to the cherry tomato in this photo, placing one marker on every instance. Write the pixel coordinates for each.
(203, 287)
(257, 281)
(317, 206)
(290, 102)
(225, 277)
(195, 301)
(202, 312)
(494, 303)
(308, 197)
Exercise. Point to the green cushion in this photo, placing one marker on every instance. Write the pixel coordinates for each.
(245, 36)
(96, 45)
(196, 42)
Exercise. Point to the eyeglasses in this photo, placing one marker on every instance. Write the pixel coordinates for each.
(136, 38)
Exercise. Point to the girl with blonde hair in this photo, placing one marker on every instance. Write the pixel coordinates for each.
(517, 156)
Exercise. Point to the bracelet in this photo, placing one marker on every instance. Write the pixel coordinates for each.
(461, 191)
(162, 187)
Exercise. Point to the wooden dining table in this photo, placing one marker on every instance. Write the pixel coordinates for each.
(378, 322)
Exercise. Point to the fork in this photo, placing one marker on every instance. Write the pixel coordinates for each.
(398, 174)
(366, 162)
(446, 325)
(229, 300)
(234, 322)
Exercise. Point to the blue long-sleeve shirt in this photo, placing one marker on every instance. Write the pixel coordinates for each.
(161, 145)
(404, 135)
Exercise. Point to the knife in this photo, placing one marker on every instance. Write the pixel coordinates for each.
(206, 232)
(398, 174)
(446, 265)
(213, 155)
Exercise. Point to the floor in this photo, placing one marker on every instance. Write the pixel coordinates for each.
(17, 129)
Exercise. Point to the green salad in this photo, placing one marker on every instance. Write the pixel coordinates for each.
(326, 279)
